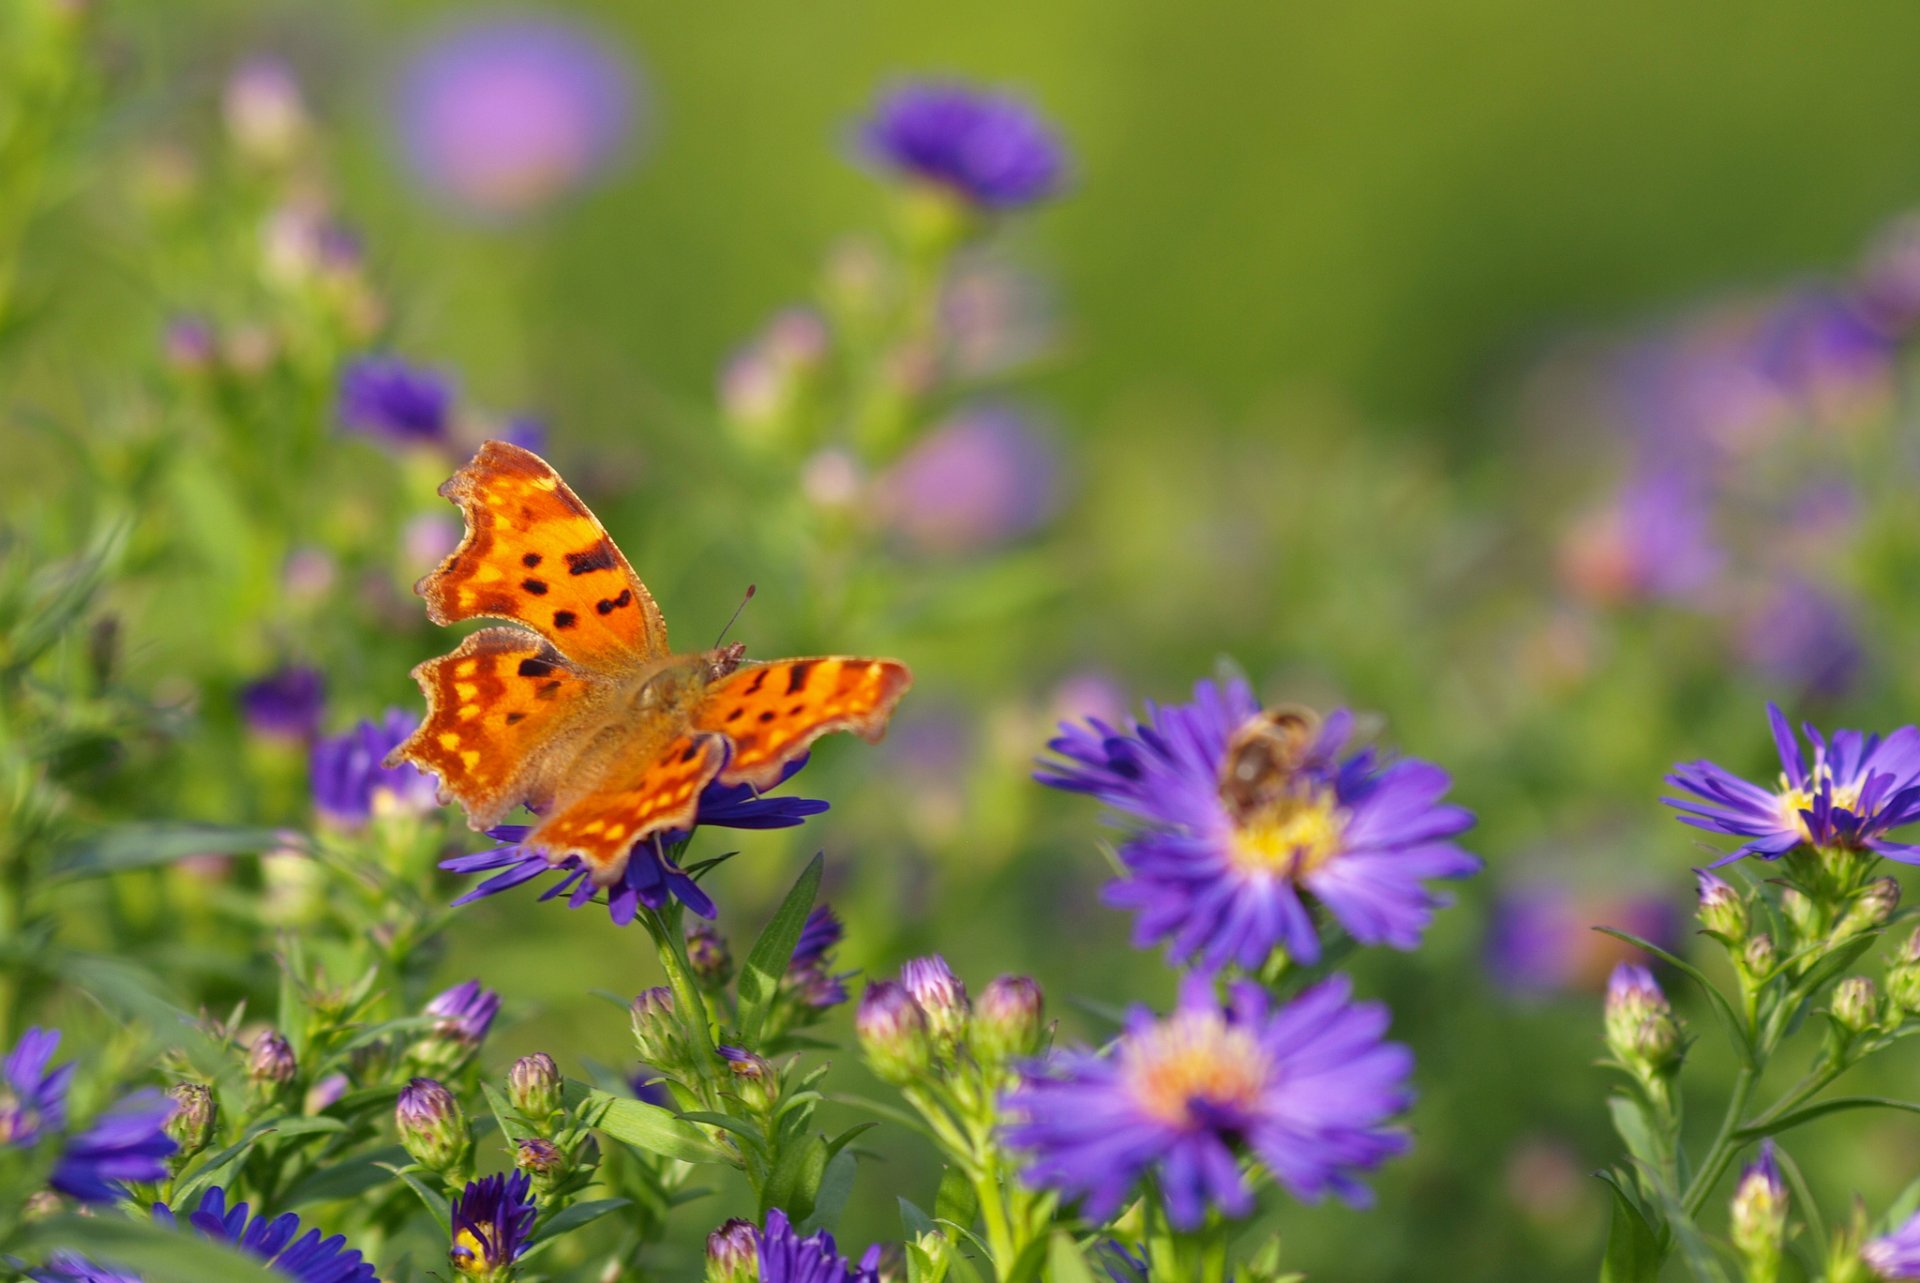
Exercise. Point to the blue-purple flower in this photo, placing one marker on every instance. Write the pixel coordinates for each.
(785, 1257)
(309, 1257)
(1896, 1255)
(492, 1224)
(1653, 539)
(466, 1012)
(1849, 794)
(991, 149)
(1306, 1090)
(126, 1143)
(351, 786)
(1227, 877)
(500, 118)
(1802, 637)
(71, 1267)
(651, 876)
(984, 478)
(285, 704)
(1541, 938)
(402, 404)
(810, 974)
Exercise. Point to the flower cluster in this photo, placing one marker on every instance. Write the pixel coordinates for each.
(1240, 824)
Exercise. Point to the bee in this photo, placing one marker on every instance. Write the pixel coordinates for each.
(1264, 756)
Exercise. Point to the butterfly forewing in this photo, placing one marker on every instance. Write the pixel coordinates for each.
(772, 712)
(535, 554)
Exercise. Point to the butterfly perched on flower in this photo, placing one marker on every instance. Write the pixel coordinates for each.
(584, 714)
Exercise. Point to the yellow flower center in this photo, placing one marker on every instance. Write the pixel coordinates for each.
(1292, 836)
(1193, 1058)
(1795, 800)
(470, 1254)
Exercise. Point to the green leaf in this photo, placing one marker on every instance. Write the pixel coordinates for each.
(144, 846)
(1630, 1121)
(512, 1126)
(650, 1128)
(435, 1201)
(795, 1180)
(348, 1179)
(1633, 1250)
(916, 1221)
(836, 1187)
(1026, 1266)
(1834, 1106)
(760, 978)
(1730, 1019)
(1064, 1262)
(157, 1254)
(572, 1218)
(956, 1201)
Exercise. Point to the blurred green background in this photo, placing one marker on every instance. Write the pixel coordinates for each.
(1312, 264)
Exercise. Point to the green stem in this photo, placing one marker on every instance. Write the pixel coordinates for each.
(1720, 1153)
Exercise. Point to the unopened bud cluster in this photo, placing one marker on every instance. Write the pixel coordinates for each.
(1759, 1217)
(924, 1022)
(433, 1128)
(1641, 1030)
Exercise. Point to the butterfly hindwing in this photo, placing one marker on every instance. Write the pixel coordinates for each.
(535, 554)
(771, 713)
(649, 787)
(502, 713)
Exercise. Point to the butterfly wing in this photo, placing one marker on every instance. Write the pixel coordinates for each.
(772, 712)
(535, 554)
(504, 712)
(651, 785)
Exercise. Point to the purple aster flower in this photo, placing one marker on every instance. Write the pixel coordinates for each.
(71, 1267)
(1896, 1255)
(285, 704)
(1653, 540)
(785, 1257)
(651, 876)
(350, 786)
(982, 479)
(309, 1257)
(1826, 357)
(501, 118)
(1223, 869)
(34, 1098)
(810, 973)
(1802, 637)
(648, 1085)
(526, 432)
(1305, 1090)
(1541, 940)
(1852, 792)
(384, 397)
(991, 149)
(466, 1012)
(492, 1224)
(127, 1143)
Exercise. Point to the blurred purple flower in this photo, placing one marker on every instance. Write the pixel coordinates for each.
(1541, 939)
(285, 704)
(981, 479)
(384, 397)
(1802, 638)
(503, 117)
(190, 344)
(991, 149)
(1889, 278)
(33, 1098)
(262, 106)
(465, 1012)
(350, 786)
(1825, 356)
(126, 1143)
(1653, 540)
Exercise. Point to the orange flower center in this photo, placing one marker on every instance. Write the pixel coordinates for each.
(1193, 1059)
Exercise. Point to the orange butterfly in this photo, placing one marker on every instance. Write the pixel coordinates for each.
(593, 722)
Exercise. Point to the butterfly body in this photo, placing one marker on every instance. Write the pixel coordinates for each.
(584, 713)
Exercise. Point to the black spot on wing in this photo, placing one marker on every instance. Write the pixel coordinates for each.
(596, 558)
(531, 667)
(538, 587)
(530, 560)
(797, 677)
(607, 605)
(564, 619)
(514, 719)
(759, 680)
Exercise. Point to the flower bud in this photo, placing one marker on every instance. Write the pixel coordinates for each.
(708, 956)
(1873, 907)
(892, 1030)
(1722, 910)
(941, 996)
(1640, 1027)
(264, 114)
(534, 1087)
(1758, 958)
(541, 1160)
(733, 1253)
(271, 1065)
(1903, 975)
(1760, 1217)
(1007, 1021)
(463, 1015)
(192, 1121)
(656, 1029)
(755, 1080)
(432, 1127)
(1856, 1004)
(325, 1093)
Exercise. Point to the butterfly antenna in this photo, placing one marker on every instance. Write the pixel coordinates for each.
(747, 597)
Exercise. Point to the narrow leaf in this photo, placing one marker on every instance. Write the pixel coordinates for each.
(760, 978)
(650, 1128)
